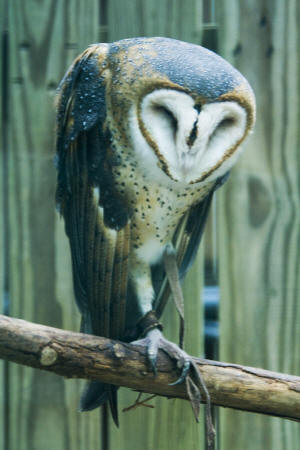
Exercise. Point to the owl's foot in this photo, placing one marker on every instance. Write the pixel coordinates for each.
(155, 341)
(190, 374)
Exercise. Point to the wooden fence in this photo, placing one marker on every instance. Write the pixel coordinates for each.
(258, 219)
(260, 215)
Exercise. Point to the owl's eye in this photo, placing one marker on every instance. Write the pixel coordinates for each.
(167, 117)
(226, 123)
(223, 127)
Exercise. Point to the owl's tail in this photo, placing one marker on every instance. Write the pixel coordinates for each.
(96, 394)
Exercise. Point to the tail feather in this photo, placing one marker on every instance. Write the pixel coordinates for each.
(113, 403)
(96, 394)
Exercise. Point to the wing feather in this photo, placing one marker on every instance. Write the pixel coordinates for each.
(99, 241)
(118, 306)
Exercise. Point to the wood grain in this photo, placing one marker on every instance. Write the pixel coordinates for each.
(177, 19)
(3, 219)
(259, 214)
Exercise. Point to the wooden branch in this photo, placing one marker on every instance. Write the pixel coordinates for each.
(76, 355)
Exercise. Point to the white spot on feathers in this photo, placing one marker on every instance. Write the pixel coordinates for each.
(109, 232)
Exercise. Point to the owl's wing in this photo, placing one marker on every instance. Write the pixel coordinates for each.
(186, 240)
(96, 220)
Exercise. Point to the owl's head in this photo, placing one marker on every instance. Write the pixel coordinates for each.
(194, 142)
(180, 109)
(189, 110)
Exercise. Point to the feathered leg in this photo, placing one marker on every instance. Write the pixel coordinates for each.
(149, 326)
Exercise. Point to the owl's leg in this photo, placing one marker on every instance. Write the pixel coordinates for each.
(149, 326)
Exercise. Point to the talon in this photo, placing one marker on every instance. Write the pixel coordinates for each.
(152, 357)
(180, 364)
(185, 370)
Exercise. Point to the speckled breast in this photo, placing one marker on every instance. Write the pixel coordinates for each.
(155, 208)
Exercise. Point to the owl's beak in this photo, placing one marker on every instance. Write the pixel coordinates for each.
(187, 163)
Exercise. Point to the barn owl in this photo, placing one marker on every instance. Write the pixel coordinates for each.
(147, 129)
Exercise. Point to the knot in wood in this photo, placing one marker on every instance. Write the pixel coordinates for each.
(48, 356)
(118, 351)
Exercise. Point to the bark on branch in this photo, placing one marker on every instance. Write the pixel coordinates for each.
(76, 355)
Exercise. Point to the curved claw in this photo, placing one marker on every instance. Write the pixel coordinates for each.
(152, 343)
(185, 370)
(152, 358)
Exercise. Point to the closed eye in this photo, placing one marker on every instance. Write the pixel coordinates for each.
(223, 126)
(166, 116)
(227, 122)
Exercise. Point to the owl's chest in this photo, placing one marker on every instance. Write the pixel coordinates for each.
(156, 209)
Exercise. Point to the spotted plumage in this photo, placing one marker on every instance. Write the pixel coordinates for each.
(147, 129)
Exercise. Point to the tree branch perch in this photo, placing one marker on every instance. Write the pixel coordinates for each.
(76, 355)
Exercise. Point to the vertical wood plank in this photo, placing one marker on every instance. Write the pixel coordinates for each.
(2, 212)
(44, 39)
(4, 269)
(260, 215)
(177, 19)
